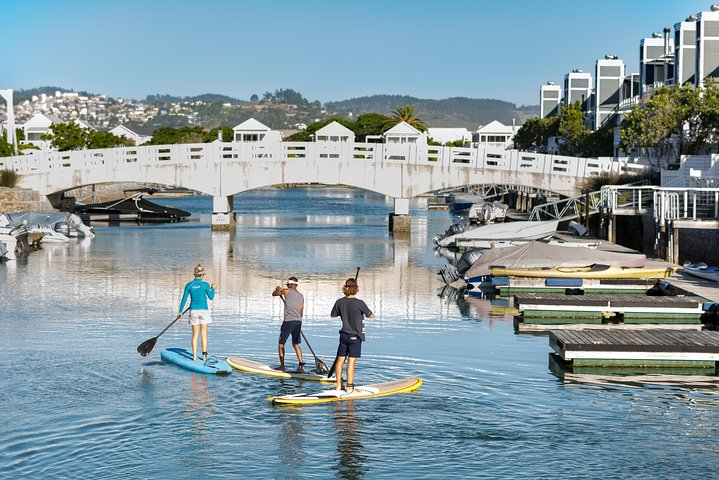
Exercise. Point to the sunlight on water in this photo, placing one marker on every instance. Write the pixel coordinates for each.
(79, 402)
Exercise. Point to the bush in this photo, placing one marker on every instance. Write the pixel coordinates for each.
(8, 178)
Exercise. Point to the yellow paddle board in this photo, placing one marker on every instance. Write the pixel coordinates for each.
(364, 391)
(250, 366)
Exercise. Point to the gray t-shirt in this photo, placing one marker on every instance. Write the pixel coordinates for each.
(294, 301)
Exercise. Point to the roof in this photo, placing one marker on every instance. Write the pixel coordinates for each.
(251, 125)
(449, 134)
(495, 127)
(403, 128)
(334, 129)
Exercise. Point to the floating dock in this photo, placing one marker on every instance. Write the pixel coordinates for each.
(507, 286)
(645, 349)
(549, 312)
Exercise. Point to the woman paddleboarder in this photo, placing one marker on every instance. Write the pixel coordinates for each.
(352, 311)
(199, 291)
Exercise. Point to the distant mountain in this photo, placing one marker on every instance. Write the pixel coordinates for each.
(450, 112)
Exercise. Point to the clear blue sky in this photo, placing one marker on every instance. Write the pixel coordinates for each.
(326, 50)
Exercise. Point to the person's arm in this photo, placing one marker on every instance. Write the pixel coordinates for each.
(302, 309)
(184, 299)
(211, 292)
(279, 291)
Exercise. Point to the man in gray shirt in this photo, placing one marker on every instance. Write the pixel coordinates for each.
(292, 324)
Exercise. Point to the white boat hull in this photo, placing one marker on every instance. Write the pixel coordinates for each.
(501, 234)
(704, 271)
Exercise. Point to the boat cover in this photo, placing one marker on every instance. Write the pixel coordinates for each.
(540, 254)
(46, 218)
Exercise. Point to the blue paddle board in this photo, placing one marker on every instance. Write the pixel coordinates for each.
(183, 358)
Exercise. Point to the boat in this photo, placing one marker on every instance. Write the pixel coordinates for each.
(68, 224)
(134, 208)
(585, 272)
(364, 391)
(483, 213)
(702, 270)
(487, 235)
(462, 202)
(48, 235)
(9, 245)
(549, 254)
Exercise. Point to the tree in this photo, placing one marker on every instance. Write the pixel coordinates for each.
(171, 136)
(369, 124)
(228, 134)
(6, 150)
(103, 140)
(534, 134)
(407, 114)
(66, 136)
(254, 98)
(572, 129)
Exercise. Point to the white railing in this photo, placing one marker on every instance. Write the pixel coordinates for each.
(478, 158)
(668, 204)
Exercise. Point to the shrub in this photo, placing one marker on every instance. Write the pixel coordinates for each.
(8, 178)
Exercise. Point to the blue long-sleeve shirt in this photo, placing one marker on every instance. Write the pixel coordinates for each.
(199, 291)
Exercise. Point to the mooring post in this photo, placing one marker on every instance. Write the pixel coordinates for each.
(400, 221)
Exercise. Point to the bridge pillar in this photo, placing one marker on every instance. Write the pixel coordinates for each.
(222, 216)
(399, 221)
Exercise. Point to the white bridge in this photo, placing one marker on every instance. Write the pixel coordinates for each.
(401, 171)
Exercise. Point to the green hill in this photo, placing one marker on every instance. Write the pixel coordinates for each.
(450, 112)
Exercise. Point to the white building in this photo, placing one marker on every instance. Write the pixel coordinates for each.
(609, 77)
(685, 51)
(550, 97)
(578, 88)
(656, 61)
(707, 31)
(123, 131)
(253, 131)
(403, 132)
(450, 135)
(334, 132)
(496, 134)
(38, 126)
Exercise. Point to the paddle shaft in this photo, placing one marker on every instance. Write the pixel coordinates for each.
(173, 322)
(334, 364)
(146, 347)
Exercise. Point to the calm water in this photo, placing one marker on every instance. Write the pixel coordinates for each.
(77, 401)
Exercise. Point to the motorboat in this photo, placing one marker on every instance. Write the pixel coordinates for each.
(483, 213)
(49, 235)
(134, 208)
(488, 235)
(65, 223)
(702, 270)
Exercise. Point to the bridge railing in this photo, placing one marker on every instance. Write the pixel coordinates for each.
(480, 158)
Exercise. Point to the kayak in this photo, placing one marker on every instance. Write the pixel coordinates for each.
(183, 358)
(702, 270)
(364, 391)
(250, 366)
(589, 271)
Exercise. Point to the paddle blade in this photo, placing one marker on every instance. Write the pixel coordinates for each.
(322, 367)
(146, 347)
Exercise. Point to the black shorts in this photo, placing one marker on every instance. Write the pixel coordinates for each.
(291, 326)
(350, 346)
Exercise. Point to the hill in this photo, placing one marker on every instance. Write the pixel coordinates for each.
(450, 112)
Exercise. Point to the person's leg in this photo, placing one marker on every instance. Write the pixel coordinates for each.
(203, 329)
(296, 338)
(281, 353)
(195, 334)
(351, 374)
(338, 371)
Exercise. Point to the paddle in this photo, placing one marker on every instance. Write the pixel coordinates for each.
(319, 364)
(334, 364)
(146, 347)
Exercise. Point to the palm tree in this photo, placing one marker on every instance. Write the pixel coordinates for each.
(408, 114)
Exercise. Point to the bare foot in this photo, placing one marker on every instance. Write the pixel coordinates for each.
(281, 368)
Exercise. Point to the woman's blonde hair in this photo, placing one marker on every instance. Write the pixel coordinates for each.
(199, 270)
(350, 287)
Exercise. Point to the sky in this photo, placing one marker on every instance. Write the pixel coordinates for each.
(326, 50)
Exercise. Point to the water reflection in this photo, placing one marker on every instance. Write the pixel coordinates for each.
(291, 440)
(199, 407)
(351, 456)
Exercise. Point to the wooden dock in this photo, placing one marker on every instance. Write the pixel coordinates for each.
(549, 312)
(508, 286)
(646, 349)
